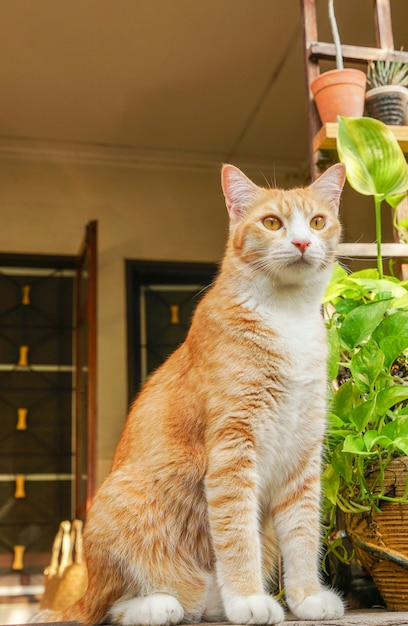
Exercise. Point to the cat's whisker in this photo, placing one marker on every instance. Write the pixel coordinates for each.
(203, 290)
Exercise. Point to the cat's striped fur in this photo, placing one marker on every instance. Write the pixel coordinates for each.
(219, 461)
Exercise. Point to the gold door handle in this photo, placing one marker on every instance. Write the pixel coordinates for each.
(23, 359)
(18, 562)
(21, 419)
(174, 314)
(25, 298)
(20, 490)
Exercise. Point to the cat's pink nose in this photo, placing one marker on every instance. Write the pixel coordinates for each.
(302, 245)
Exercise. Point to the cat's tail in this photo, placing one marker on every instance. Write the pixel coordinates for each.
(76, 613)
(92, 608)
(80, 612)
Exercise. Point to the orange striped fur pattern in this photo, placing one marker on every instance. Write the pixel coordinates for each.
(218, 466)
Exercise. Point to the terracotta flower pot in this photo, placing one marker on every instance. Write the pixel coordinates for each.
(388, 103)
(339, 92)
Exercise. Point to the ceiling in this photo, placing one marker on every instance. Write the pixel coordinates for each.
(193, 81)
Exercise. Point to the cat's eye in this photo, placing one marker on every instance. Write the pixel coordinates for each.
(272, 223)
(318, 222)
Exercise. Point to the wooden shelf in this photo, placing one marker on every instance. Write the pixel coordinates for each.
(369, 250)
(326, 138)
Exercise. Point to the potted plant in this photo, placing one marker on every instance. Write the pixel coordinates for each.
(365, 479)
(366, 473)
(387, 95)
(339, 91)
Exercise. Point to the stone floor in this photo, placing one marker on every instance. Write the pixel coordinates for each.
(19, 597)
(18, 613)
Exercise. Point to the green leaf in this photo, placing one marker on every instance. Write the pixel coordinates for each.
(381, 286)
(392, 347)
(330, 484)
(366, 364)
(336, 283)
(354, 445)
(361, 322)
(334, 352)
(381, 441)
(372, 439)
(345, 305)
(388, 397)
(374, 160)
(401, 303)
(401, 410)
(370, 436)
(394, 201)
(393, 325)
(362, 414)
(342, 463)
(402, 444)
(368, 272)
(396, 428)
(334, 421)
(343, 401)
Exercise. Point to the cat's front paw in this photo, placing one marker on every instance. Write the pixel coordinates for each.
(159, 609)
(256, 609)
(322, 605)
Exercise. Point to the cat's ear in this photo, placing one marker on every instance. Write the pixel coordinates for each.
(330, 185)
(239, 191)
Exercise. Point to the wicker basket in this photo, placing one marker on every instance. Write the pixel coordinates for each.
(380, 540)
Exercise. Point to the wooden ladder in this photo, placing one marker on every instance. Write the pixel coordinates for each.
(322, 139)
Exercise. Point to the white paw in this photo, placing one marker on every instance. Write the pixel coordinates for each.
(259, 609)
(158, 609)
(323, 605)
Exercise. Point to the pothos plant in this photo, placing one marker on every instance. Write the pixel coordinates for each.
(367, 323)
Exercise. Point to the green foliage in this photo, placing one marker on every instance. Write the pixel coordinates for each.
(374, 161)
(367, 322)
(375, 165)
(380, 73)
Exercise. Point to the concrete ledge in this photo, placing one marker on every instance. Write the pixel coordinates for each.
(370, 617)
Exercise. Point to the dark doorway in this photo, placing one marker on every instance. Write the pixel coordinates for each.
(161, 299)
(47, 415)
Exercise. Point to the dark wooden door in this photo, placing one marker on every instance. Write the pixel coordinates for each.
(36, 338)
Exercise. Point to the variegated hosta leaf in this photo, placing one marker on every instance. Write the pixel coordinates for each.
(373, 158)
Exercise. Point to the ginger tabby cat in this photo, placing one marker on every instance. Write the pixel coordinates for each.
(218, 466)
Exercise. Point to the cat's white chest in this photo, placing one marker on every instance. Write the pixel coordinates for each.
(299, 332)
(292, 427)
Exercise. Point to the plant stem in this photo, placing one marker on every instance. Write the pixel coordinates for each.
(336, 36)
(377, 201)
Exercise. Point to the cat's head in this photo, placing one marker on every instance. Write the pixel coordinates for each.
(286, 234)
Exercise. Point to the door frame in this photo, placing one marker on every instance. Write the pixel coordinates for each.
(85, 316)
